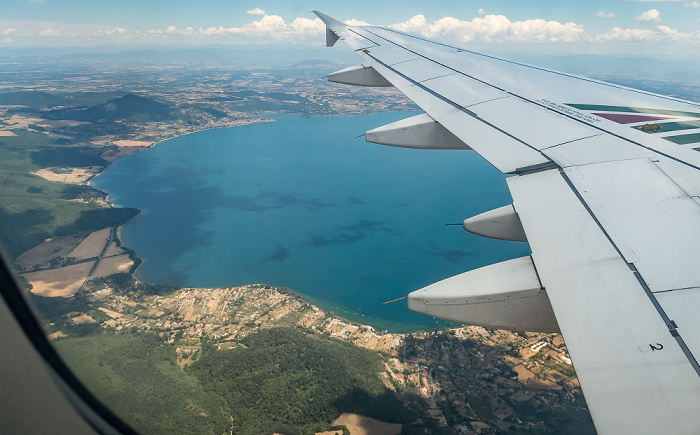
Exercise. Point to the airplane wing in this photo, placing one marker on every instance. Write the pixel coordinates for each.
(606, 190)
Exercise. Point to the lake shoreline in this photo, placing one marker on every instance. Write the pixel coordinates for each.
(295, 204)
(119, 229)
(338, 309)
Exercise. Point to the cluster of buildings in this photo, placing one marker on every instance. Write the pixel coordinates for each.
(475, 379)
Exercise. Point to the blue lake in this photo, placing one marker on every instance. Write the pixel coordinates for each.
(302, 203)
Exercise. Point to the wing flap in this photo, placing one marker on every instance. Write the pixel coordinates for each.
(420, 70)
(679, 305)
(596, 149)
(534, 125)
(629, 365)
(357, 40)
(653, 222)
(467, 93)
(391, 56)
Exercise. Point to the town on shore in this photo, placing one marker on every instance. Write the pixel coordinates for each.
(462, 374)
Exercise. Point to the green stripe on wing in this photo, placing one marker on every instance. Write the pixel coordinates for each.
(626, 109)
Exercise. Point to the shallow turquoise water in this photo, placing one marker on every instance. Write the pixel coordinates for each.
(302, 203)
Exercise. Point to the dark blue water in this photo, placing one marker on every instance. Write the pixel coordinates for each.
(302, 203)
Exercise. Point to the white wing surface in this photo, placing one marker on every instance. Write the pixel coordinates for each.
(606, 192)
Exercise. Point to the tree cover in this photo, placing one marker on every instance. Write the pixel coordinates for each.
(288, 381)
(33, 209)
(135, 374)
(280, 380)
(124, 282)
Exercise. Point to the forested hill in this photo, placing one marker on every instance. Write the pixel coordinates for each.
(37, 99)
(128, 107)
(58, 132)
(278, 380)
(287, 381)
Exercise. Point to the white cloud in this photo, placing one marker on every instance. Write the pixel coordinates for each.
(661, 33)
(541, 30)
(487, 29)
(170, 30)
(665, 30)
(415, 24)
(492, 28)
(604, 14)
(650, 15)
(620, 34)
(214, 31)
(499, 29)
(270, 27)
(354, 22)
(117, 31)
(267, 25)
(50, 32)
(27, 33)
(256, 11)
(481, 11)
(309, 27)
(693, 4)
(653, 0)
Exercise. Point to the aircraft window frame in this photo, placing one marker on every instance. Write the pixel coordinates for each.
(85, 403)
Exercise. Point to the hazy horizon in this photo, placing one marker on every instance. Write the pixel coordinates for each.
(666, 28)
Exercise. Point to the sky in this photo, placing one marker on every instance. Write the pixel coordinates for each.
(643, 27)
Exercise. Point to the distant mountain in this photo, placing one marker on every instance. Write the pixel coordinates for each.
(311, 63)
(129, 107)
(30, 98)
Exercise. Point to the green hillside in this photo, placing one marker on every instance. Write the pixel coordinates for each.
(283, 380)
(129, 107)
(33, 209)
(278, 380)
(30, 98)
(138, 378)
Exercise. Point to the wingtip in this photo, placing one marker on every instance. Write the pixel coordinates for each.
(328, 20)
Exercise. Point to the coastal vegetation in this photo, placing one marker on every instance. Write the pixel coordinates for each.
(124, 282)
(296, 381)
(137, 377)
(259, 359)
(32, 208)
(278, 380)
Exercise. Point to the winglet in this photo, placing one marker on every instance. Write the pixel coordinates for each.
(331, 24)
(329, 21)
